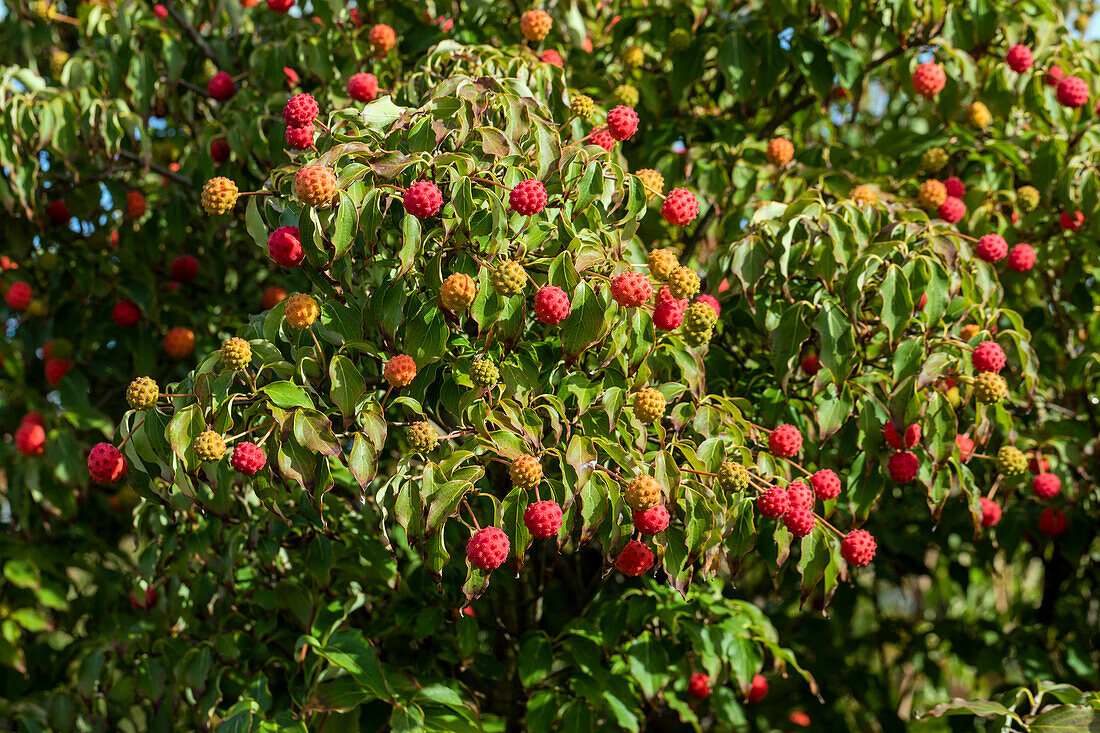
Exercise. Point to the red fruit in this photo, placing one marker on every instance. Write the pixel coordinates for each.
(488, 548)
(382, 38)
(422, 199)
(30, 439)
(248, 458)
(664, 295)
(1054, 75)
(280, 6)
(285, 247)
(19, 296)
(890, 435)
(952, 210)
(928, 79)
(603, 139)
(799, 521)
(106, 463)
(622, 122)
(773, 503)
(126, 314)
(363, 87)
(912, 436)
(1035, 465)
(56, 369)
(1052, 522)
(551, 305)
(652, 520)
(800, 495)
(992, 248)
(1021, 258)
(799, 718)
(858, 548)
(811, 364)
(785, 441)
(826, 484)
(1071, 223)
(552, 57)
(528, 197)
(903, 467)
(635, 559)
(631, 289)
(668, 315)
(758, 690)
(291, 75)
(965, 446)
(160, 11)
(7, 263)
(988, 356)
(1046, 485)
(185, 269)
(148, 600)
(991, 512)
(543, 518)
(709, 300)
(58, 212)
(1019, 58)
(1015, 218)
(221, 86)
(301, 110)
(33, 418)
(680, 207)
(1073, 92)
(300, 138)
(135, 205)
(954, 187)
(219, 151)
(923, 301)
(699, 686)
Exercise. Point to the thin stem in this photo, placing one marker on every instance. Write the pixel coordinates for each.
(250, 430)
(466, 504)
(140, 423)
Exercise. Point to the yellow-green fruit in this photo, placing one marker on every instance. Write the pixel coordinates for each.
(863, 195)
(508, 279)
(642, 493)
(934, 159)
(43, 10)
(699, 317)
(209, 446)
(653, 181)
(61, 348)
(422, 437)
(661, 263)
(1011, 461)
(649, 405)
(301, 311)
(932, 195)
(142, 394)
(47, 261)
(236, 354)
(1028, 196)
(697, 338)
(683, 283)
(484, 373)
(978, 115)
(732, 477)
(459, 290)
(1081, 23)
(582, 106)
(37, 308)
(679, 39)
(58, 59)
(990, 387)
(953, 397)
(633, 56)
(525, 472)
(219, 195)
(625, 94)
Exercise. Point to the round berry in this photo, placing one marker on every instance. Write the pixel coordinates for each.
(603, 139)
(653, 182)
(315, 185)
(221, 86)
(800, 495)
(19, 296)
(382, 39)
(732, 476)
(535, 24)
(300, 138)
(179, 342)
(780, 151)
(785, 441)
(458, 292)
(399, 371)
(525, 472)
(680, 207)
(126, 314)
(932, 194)
(773, 503)
(300, 111)
(363, 87)
(991, 248)
(543, 518)
(1072, 92)
(209, 446)
(928, 79)
(668, 315)
(858, 548)
(106, 464)
(622, 122)
(631, 289)
(142, 394)
(422, 437)
(508, 279)
(826, 484)
(648, 406)
(236, 354)
(990, 387)
(1046, 485)
(1021, 258)
(185, 269)
(422, 199)
(1052, 522)
(528, 197)
(991, 512)
(484, 373)
(699, 686)
(653, 520)
(642, 493)
(952, 210)
(988, 356)
(799, 521)
(954, 187)
(683, 283)
(248, 458)
(285, 247)
(301, 311)
(219, 151)
(552, 57)
(1019, 58)
(551, 305)
(758, 690)
(965, 446)
(582, 106)
(488, 548)
(635, 559)
(30, 439)
(219, 195)
(903, 467)
(661, 263)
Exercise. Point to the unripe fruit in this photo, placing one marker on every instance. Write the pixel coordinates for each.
(758, 690)
(603, 139)
(1011, 461)
(488, 549)
(697, 338)
(954, 187)
(382, 39)
(300, 111)
(653, 520)
(679, 39)
(632, 56)
(219, 195)
(543, 518)
(508, 279)
(699, 316)
(301, 311)
(649, 405)
(683, 283)
(780, 151)
(642, 493)
(680, 208)
(458, 291)
(668, 315)
(934, 159)
(785, 441)
(37, 309)
(928, 79)
(273, 295)
(826, 484)
(732, 477)
(799, 521)
(528, 197)
(422, 437)
(142, 394)
(932, 195)
(209, 446)
(18, 296)
(30, 439)
(965, 446)
(661, 263)
(484, 373)
(236, 354)
(952, 210)
(285, 247)
(863, 195)
(1052, 522)
(1072, 92)
(626, 95)
(989, 388)
(106, 464)
(773, 503)
(858, 548)
(363, 87)
(903, 467)
(1019, 58)
(185, 269)
(991, 512)
(315, 185)
(126, 314)
(622, 122)
(582, 106)
(635, 559)
(179, 342)
(991, 248)
(631, 289)
(977, 114)
(551, 305)
(400, 371)
(699, 686)
(248, 458)
(300, 138)
(653, 182)
(988, 356)
(221, 86)
(1028, 197)
(535, 24)
(1021, 258)
(1046, 485)
(525, 472)
(422, 199)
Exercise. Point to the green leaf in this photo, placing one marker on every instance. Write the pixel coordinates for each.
(287, 395)
(897, 302)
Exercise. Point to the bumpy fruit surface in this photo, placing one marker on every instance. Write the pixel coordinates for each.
(382, 39)
(236, 354)
(142, 394)
(932, 195)
(19, 295)
(179, 342)
(697, 338)
(661, 263)
(634, 560)
(903, 467)
(826, 484)
(248, 458)
(653, 182)
(300, 138)
(864, 195)
(699, 316)
(543, 518)
(952, 210)
(1073, 92)
(699, 686)
(484, 373)
(649, 405)
(301, 311)
(785, 441)
(363, 87)
(508, 279)
(631, 289)
(780, 151)
(525, 472)
(1011, 461)
(284, 245)
(551, 305)
(1028, 196)
(622, 122)
(669, 315)
(680, 208)
(30, 439)
(459, 290)
(858, 548)
(710, 300)
(603, 139)
(315, 185)
(1021, 258)
(988, 356)
(929, 79)
(989, 388)
(934, 159)
(300, 111)
(626, 95)
(954, 187)
(488, 548)
(800, 495)
(991, 248)
(1046, 485)
(799, 521)
(582, 106)
(683, 283)
(528, 197)
(400, 371)
(1019, 58)
(977, 114)
(653, 520)
(773, 503)
(422, 199)
(1052, 522)
(642, 493)
(991, 512)
(209, 446)
(535, 24)
(732, 476)
(422, 437)
(219, 195)
(106, 464)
